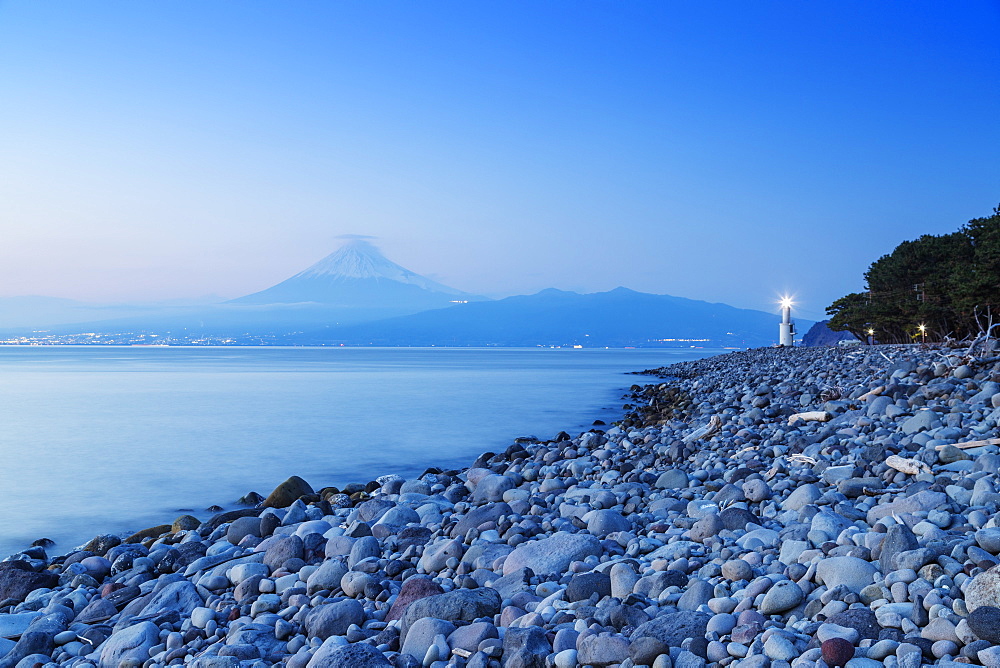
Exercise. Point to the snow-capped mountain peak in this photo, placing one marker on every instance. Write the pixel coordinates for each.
(360, 259)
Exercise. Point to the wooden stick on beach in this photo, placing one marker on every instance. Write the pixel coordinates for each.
(970, 444)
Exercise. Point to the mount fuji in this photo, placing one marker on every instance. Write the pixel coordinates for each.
(358, 276)
(355, 284)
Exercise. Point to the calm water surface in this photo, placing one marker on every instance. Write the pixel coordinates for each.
(108, 439)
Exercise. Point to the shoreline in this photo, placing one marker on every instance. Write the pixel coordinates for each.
(443, 409)
(706, 528)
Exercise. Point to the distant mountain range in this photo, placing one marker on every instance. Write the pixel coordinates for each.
(620, 317)
(356, 296)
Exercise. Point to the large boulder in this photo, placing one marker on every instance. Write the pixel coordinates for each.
(333, 619)
(181, 596)
(130, 646)
(358, 655)
(476, 517)
(852, 572)
(414, 588)
(673, 628)
(984, 589)
(288, 492)
(17, 580)
(38, 638)
(553, 554)
(460, 605)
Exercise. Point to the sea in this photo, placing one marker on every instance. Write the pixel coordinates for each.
(107, 439)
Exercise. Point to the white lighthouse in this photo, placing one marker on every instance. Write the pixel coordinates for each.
(786, 330)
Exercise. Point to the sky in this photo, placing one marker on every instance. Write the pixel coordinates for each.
(726, 151)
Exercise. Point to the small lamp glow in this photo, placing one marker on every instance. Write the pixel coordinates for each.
(923, 332)
(786, 302)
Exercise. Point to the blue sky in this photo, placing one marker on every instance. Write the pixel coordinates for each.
(726, 151)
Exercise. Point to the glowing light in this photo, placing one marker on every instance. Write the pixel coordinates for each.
(786, 302)
(922, 328)
(871, 332)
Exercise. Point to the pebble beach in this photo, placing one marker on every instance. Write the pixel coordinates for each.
(769, 508)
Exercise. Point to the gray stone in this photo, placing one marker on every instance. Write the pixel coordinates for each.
(553, 554)
(672, 479)
(878, 406)
(241, 528)
(420, 636)
(940, 628)
(478, 516)
(897, 539)
(989, 539)
(756, 490)
(417, 587)
(365, 547)
(491, 488)
(602, 650)
(258, 638)
(130, 646)
(525, 647)
(705, 528)
(989, 657)
(333, 619)
(950, 454)
(686, 659)
(852, 572)
(835, 474)
(460, 605)
(791, 550)
(38, 638)
(603, 522)
(779, 648)
(784, 595)
(327, 576)
(282, 550)
(985, 623)
(984, 589)
(697, 594)
(208, 661)
(924, 420)
(357, 655)
(736, 519)
(737, 569)
(801, 496)
(13, 625)
(583, 585)
(181, 597)
(468, 637)
(672, 628)
(437, 554)
(17, 580)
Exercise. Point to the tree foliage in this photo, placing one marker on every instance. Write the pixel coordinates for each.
(948, 283)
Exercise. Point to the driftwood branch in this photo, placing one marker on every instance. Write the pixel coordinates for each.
(907, 466)
(872, 393)
(810, 416)
(970, 444)
(713, 426)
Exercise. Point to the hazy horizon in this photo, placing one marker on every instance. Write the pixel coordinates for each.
(724, 152)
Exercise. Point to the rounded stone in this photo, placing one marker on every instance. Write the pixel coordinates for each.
(985, 623)
(783, 596)
(737, 569)
(604, 522)
(756, 491)
(837, 651)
